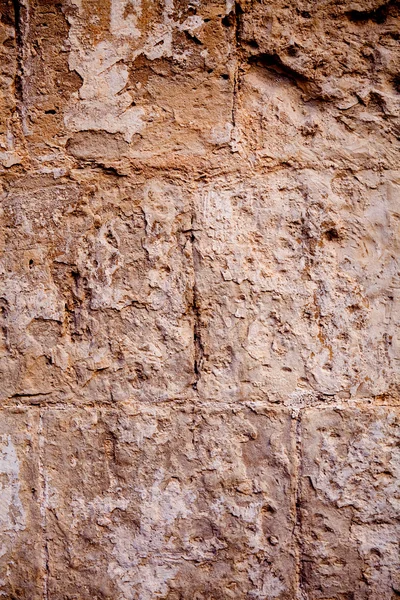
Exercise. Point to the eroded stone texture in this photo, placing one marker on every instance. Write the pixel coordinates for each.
(156, 73)
(350, 500)
(339, 52)
(8, 85)
(297, 277)
(170, 503)
(199, 233)
(96, 290)
(22, 556)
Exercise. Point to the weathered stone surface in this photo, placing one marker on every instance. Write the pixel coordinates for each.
(340, 52)
(9, 122)
(97, 288)
(159, 76)
(22, 556)
(279, 123)
(170, 503)
(350, 501)
(199, 232)
(297, 285)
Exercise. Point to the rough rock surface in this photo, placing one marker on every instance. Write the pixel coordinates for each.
(200, 300)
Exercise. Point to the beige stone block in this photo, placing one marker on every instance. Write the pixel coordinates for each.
(10, 88)
(350, 498)
(278, 124)
(47, 83)
(341, 54)
(97, 290)
(320, 84)
(170, 502)
(297, 286)
(154, 78)
(22, 552)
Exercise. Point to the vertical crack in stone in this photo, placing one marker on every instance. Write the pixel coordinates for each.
(21, 17)
(43, 506)
(297, 493)
(197, 339)
(144, 255)
(237, 11)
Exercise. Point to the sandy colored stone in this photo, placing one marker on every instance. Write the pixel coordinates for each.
(22, 553)
(349, 511)
(297, 285)
(170, 502)
(336, 52)
(97, 289)
(199, 299)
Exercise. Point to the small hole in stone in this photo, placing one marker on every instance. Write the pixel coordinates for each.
(292, 51)
(252, 44)
(396, 83)
(331, 234)
(228, 20)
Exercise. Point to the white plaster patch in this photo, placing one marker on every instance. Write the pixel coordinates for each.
(144, 560)
(102, 104)
(12, 515)
(124, 18)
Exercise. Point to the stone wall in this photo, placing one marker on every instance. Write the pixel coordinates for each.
(200, 300)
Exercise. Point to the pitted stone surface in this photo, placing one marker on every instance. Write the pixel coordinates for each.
(350, 500)
(170, 502)
(199, 292)
(22, 556)
(93, 309)
(295, 281)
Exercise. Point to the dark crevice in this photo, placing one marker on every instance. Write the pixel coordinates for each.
(272, 62)
(298, 525)
(106, 169)
(228, 20)
(43, 508)
(197, 337)
(233, 21)
(331, 235)
(198, 345)
(196, 310)
(20, 19)
(396, 83)
(377, 15)
(33, 395)
(191, 37)
(236, 23)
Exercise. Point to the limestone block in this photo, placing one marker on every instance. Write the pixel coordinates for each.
(338, 52)
(155, 77)
(297, 286)
(97, 290)
(174, 63)
(9, 69)
(22, 554)
(47, 83)
(170, 502)
(350, 499)
(279, 124)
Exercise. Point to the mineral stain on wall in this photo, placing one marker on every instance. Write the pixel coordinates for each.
(200, 300)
